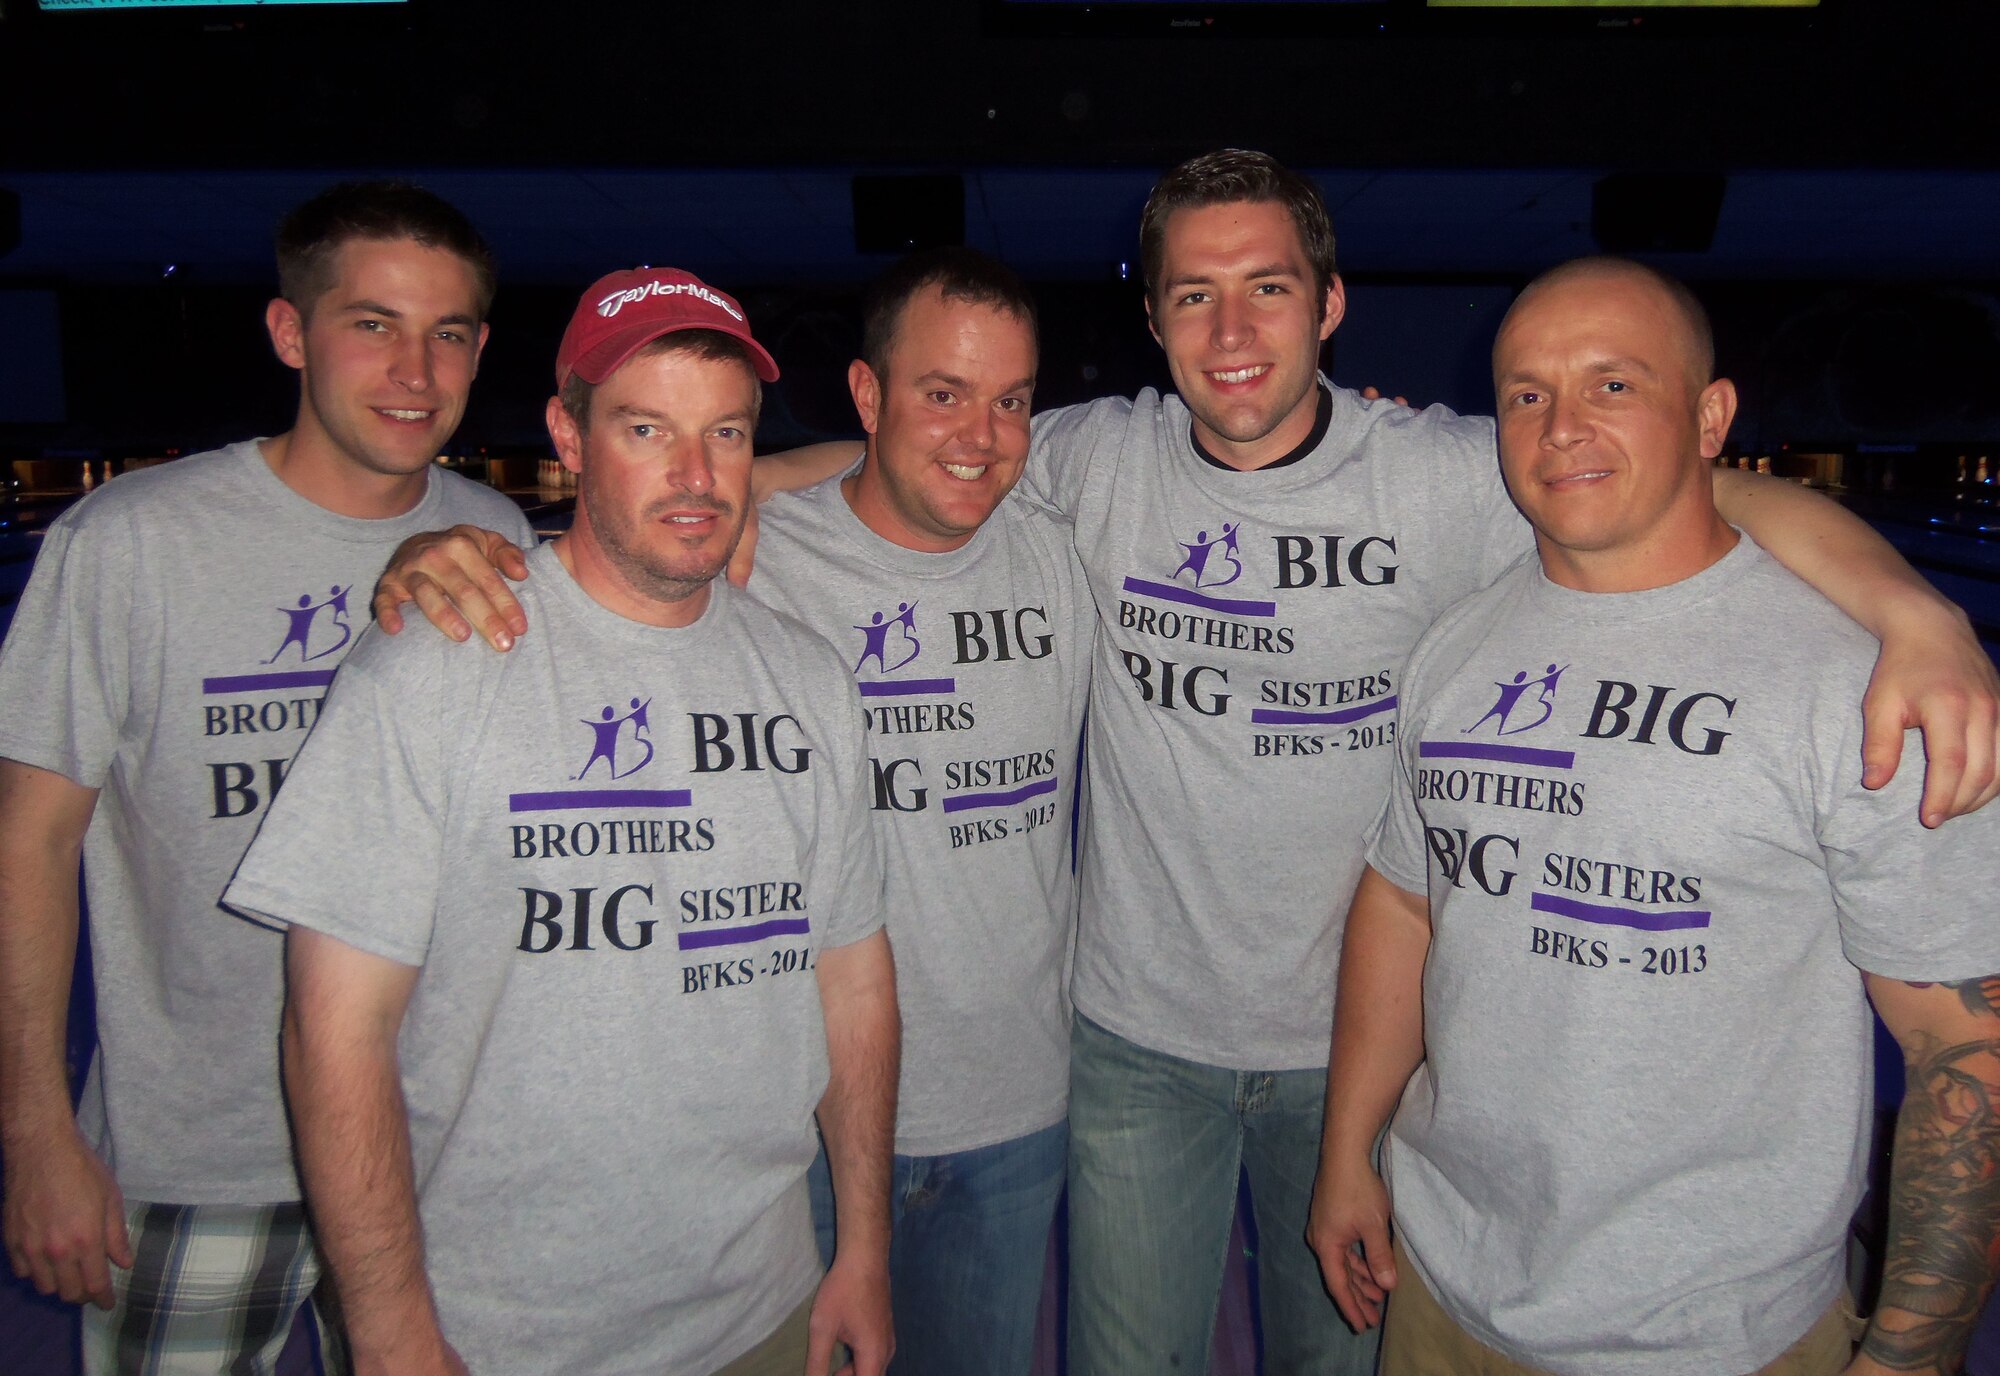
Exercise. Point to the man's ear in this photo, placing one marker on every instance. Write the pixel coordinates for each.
(1334, 309)
(1714, 410)
(1152, 325)
(866, 389)
(565, 434)
(287, 329)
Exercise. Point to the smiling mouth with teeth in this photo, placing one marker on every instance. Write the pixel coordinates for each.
(966, 472)
(404, 415)
(1241, 374)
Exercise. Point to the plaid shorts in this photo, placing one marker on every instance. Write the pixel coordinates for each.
(213, 1291)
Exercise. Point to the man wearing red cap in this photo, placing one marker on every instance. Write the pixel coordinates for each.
(581, 937)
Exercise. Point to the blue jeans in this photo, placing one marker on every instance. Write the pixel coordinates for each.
(966, 1256)
(1156, 1146)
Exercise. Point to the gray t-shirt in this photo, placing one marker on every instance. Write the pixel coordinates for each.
(1640, 1132)
(1243, 699)
(171, 650)
(616, 852)
(972, 667)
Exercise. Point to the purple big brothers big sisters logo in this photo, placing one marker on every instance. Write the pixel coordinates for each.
(1512, 693)
(608, 731)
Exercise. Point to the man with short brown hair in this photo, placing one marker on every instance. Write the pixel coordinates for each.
(168, 656)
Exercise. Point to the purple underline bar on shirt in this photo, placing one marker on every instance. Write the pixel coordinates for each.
(1234, 606)
(1274, 716)
(1607, 916)
(1510, 754)
(579, 799)
(252, 683)
(908, 687)
(1019, 795)
(743, 936)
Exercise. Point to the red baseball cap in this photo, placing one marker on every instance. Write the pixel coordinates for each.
(624, 311)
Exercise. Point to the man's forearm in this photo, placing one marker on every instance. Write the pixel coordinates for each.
(788, 470)
(1832, 549)
(42, 821)
(1944, 1207)
(37, 955)
(1932, 672)
(1378, 1037)
(354, 1160)
(857, 1114)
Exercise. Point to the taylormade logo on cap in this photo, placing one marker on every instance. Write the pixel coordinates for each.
(619, 300)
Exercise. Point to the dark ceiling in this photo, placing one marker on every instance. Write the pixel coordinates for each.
(723, 135)
(795, 225)
(668, 83)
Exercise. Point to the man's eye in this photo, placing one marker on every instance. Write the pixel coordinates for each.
(941, 398)
(729, 433)
(1270, 288)
(1527, 398)
(1616, 386)
(451, 336)
(1012, 404)
(644, 432)
(370, 326)
(1194, 298)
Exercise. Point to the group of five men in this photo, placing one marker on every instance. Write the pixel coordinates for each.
(582, 935)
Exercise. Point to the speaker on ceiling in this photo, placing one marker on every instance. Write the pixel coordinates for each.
(898, 214)
(1647, 212)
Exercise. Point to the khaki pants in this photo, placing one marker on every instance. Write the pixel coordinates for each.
(1420, 1339)
(781, 1354)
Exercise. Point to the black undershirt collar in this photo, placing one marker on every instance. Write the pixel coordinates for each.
(1322, 419)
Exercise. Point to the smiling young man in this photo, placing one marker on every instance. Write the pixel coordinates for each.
(1624, 1033)
(1263, 548)
(959, 610)
(166, 660)
(602, 928)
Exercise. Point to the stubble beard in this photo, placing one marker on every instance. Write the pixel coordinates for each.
(644, 568)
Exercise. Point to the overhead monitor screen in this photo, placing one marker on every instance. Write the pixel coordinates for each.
(1623, 4)
(1239, 17)
(194, 4)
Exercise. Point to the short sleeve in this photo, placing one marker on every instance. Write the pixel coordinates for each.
(1059, 452)
(1914, 904)
(1396, 845)
(847, 859)
(1505, 535)
(353, 843)
(65, 670)
(523, 532)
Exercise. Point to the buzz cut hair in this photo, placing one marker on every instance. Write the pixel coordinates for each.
(1225, 177)
(312, 235)
(1694, 316)
(959, 274)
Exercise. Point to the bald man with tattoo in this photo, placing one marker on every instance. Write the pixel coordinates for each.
(1606, 978)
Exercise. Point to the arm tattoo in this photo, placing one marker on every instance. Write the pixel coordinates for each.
(1980, 996)
(1944, 1204)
